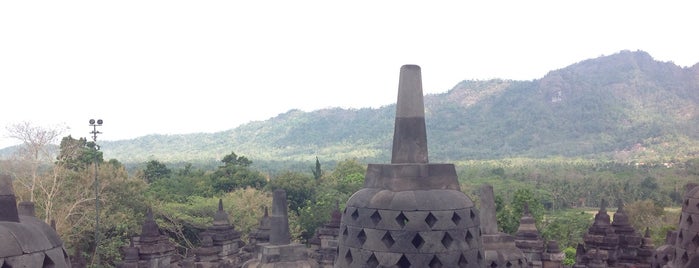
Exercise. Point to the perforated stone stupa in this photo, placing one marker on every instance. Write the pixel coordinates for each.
(682, 246)
(410, 213)
(26, 241)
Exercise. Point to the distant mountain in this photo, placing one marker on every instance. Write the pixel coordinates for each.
(624, 107)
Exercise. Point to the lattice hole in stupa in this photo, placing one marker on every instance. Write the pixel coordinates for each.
(376, 217)
(473, 215)
(435, 263)
(463, 262)
(372, 261)
(388, 240)
(469, 238)
(348, 257)
(689, 220)
(695, 240)
(401, 219)
(417, 241)
(447, 240)
(456, 218)
(431, 220)
(355, 214)
(403, 262)
(361, 236)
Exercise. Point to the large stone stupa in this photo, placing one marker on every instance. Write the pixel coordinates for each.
(410, 213)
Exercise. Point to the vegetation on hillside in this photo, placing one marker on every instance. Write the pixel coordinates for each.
(624, 107)
(560, 194)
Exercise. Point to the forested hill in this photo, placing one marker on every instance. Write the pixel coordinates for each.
(624, 107)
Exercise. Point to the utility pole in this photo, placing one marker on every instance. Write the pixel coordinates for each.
(94, 124)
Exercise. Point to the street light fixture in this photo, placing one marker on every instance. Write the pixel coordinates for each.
(94, 124)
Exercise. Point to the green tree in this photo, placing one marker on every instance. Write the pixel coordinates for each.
(317, 172)
(235, 174)
(77, 154)
(299, 188)
(155, 170)
(508, 215)
(566, 227)
(569, 258)
(347, 177)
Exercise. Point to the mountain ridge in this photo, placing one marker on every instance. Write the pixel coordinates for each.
(605, 108)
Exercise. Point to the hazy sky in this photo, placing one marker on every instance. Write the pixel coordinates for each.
(172, 67)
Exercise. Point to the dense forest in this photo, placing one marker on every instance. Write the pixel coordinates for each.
(617, 129)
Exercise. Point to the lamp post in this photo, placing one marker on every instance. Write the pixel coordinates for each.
(94, 124)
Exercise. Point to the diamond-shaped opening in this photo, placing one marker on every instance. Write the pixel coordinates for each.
(435, 262)
(417, 241)
(456, 218)
(387, 240)
(431, 220)
(47, 262)
(403, 262)
(686, 202)
(695, 240)
(463, 262)
(361, 236)
(697, 205)
(493, 264)
(355, 214)
(447, 240)
(401, 219)
(666, 259)
(508, 264)
(473, 215)
(469, 237)
(680, 236)
(372, 261)
(689, 220)
(348, 257)
(345, 233)
(376, 217)
(685, 258)
(520, 262)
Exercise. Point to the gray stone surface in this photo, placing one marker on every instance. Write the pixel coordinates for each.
(489, 221)
(500, 249)
(279, 234)
(8, 203)
(409, 135)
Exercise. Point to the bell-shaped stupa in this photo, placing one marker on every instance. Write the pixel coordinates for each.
(410, 213)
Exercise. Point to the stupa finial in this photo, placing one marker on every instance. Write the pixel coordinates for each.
(409, 134)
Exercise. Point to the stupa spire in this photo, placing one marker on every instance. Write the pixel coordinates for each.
(409, 134)
(280, 234)
(8, 203)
